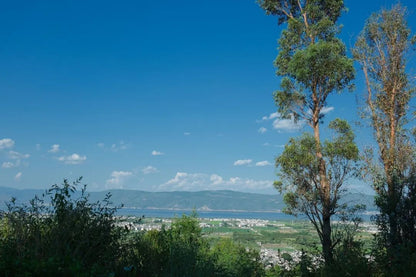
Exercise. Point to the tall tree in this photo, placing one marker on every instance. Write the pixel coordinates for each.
(313, 64)
(381, 50)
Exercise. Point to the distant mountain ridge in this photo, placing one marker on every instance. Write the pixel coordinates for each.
(217, 200)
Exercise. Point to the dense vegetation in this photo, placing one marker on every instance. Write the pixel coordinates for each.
(67, 235)
(62, 233)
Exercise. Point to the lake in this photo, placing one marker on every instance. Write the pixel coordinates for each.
(215, 214)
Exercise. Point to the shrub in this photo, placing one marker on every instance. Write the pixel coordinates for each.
(65, 236)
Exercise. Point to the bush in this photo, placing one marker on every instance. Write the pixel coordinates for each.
(232, 259)
(65, 236)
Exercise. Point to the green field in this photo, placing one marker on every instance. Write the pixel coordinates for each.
(286, 236)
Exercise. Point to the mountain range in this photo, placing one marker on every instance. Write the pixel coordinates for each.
(218, 200)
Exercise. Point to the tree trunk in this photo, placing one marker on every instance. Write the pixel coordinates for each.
(325, 193)
(326, 239)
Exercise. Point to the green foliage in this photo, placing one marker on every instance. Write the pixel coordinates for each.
(299, 172)
(311, 58)
(313, 64)
(187, 248)
(182, 251)
(299, 169)
(318, 10)
(67, 236)
(234, 260)
(395, 249)
(349, 259)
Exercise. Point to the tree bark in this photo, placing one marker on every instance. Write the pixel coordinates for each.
(325, 190)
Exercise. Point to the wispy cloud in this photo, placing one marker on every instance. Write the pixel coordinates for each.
(17, 159)
(187, 134)
(242, 162)
(270, 116)
(115, 147)
(199, 181)
(6, 143)
(157, 153)
(72, 159)
(17, 156)
(288, 125)
(118, 179)
(9, 164)
(262, 130)
(54, 148)
(326, 110)
(263, 163)
(149, 170)
(18, 176)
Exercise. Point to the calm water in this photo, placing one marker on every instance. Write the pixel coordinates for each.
(215, 214)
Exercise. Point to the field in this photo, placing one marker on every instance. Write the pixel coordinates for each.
(283, 236)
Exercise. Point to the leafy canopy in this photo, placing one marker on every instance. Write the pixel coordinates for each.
(299, 167)
(312, 61)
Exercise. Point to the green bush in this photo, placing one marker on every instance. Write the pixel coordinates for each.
(65, 236)
(177, 251)
(232, 259)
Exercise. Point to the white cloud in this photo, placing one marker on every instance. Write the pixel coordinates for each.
(287, 124)
(118, 178)
(326, 110)
(17, 156)
(263, 163)
(186, 134)
(199, 181)
(18, 176)
(8, 165)
(270, 116)
(216, 179)
(185, 181)
(157, 153)
(281, 124)
(6, 143)
(115, 147)
(149, 169)
(54, 148)
(262, 130)
(242, 162)
(72, 159)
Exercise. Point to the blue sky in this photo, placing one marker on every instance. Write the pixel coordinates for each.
(149, 95)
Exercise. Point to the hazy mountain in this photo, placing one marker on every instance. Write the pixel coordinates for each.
(182, 200)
